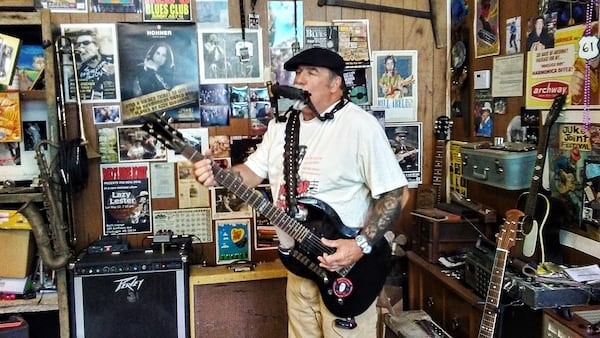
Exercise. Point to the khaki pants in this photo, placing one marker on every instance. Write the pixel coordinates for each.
(309, 318)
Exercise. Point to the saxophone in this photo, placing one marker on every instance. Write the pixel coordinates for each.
(51, 239)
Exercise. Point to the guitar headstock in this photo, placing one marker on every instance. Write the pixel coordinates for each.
(508, 231)
(442, 128)
(555, 109)
(159, 127)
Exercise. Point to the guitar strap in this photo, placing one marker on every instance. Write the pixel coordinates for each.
(290, 161)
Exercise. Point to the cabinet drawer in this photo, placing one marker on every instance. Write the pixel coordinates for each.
(433, 299)
(457, 316)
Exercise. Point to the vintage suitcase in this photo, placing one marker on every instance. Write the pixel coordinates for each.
(510, 170)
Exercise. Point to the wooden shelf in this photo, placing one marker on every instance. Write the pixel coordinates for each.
(21, 197)
(42, 302)
(30, 95)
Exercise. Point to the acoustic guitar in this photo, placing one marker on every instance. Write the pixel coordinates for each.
(505, 240)
(347, 292)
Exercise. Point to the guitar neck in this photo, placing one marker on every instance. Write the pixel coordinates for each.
(490, 310)
(439, 162)
(233, 183)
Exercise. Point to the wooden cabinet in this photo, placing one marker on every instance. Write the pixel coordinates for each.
(444, 298)
(457, 309)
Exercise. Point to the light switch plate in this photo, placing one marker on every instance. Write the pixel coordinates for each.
(481, 79)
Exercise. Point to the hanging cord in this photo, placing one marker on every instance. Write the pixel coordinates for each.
(72, 166)
(296, 43)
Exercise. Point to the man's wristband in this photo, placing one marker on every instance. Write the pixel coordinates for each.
(363, 244)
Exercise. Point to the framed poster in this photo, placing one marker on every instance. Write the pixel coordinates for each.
(227, 58)
(95, 47)
(233, 240)
(406, 140)
(394, 75)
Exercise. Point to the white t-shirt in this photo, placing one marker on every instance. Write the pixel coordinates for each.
(347, 162)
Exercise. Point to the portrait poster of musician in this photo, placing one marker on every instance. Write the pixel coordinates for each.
(94, 47)
(406, 140)
(126, 198)
(394, 75)
(226, 57)
(159, 70)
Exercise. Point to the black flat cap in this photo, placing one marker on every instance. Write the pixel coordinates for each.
(317, 57)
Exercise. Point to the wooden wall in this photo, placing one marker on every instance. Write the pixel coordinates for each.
(501, 199)
(387, 31)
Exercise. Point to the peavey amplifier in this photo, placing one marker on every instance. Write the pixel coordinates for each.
(131, 294)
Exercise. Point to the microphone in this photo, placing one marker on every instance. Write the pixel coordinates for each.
(288, 92)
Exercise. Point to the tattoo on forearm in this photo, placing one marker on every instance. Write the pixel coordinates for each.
(382, 213)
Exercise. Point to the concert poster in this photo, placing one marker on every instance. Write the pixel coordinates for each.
(353, 42)
(356, 84)
(406, 140)
(570, 172)
(173, 10)
(126, 198)
(321, 36)
(95, 47)
(159, 66)
(395, 84)
(233, 240)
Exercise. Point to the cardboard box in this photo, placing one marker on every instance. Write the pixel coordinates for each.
(16, 245)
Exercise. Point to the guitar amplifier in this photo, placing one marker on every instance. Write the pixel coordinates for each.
(478, 266)
(130, 294)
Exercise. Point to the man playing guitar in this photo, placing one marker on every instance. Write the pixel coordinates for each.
(347, 163)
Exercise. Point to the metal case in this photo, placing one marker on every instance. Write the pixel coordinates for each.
(499, 168)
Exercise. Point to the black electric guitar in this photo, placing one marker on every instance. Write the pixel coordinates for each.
(536, 206)
(347, 292)
(504, 241)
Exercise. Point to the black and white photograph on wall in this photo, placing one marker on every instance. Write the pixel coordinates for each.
(242, 147)
(395, 84)
(107, 114)
(96, 62)
(406, 140)
(226, 205)
(227, 57)
(136, 144)
(126, 198)
(33, 133)
(214, 105)
(159, 70)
